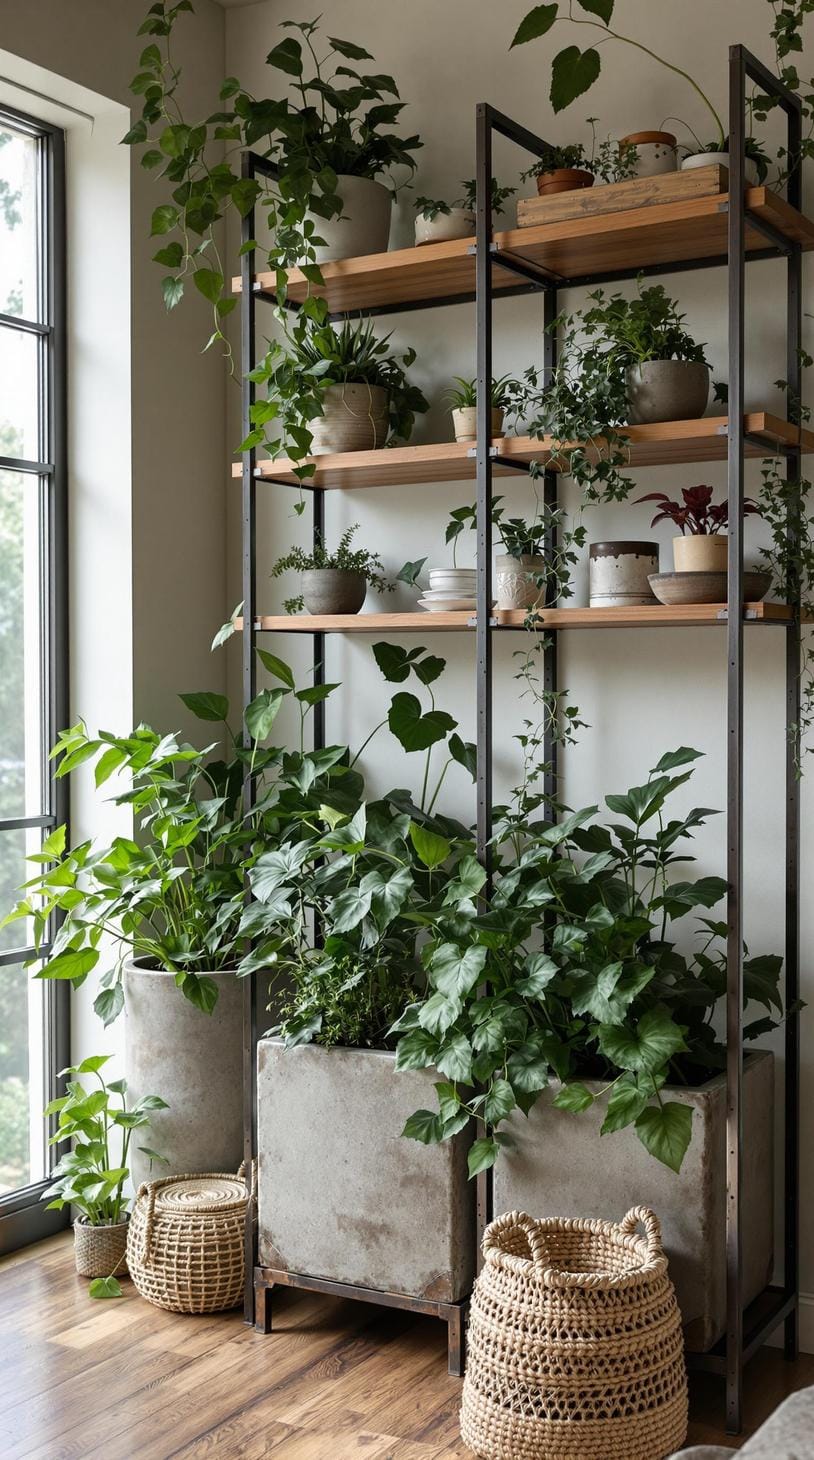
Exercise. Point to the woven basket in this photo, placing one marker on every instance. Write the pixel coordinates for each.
(185, 1248)
(99, 1251)
(575, 1347)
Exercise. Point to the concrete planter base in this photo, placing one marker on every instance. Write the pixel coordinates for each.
(341, 1195)
(563, 1167)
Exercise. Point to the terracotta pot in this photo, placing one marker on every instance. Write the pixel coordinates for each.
(709, 159)
(564, 180)
(667, 390)
(100, 1251)
(619, 572)
(657, 152)
(457, 223)
(465, 423)
(354, 418)
(516, 580)
(364, 226)
(701, 553)
(333, 590)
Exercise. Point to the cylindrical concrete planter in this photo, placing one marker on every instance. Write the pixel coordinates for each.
(457, 223)
(656, 152)
(619, 572)
(667, 390)
(564, 180)
(333, 590)
(100, 1251)
(701, 553)
(364, 225)
(561, 1166)
(465, 423)
(194, 1062)
(710, 159)
(341, 1194)
(516, 580)
(354, 418)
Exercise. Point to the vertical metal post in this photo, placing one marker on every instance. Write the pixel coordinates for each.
(318, 639)
(734, 749)
(551, 497)
(483, 632)
(247, 362)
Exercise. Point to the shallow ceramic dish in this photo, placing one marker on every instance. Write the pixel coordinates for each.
(677, 588)
(449, 605)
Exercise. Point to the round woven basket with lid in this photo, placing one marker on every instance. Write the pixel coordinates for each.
(575, 1344)
(185, 1245)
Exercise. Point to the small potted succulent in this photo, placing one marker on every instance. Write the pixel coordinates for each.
(90, 1177)
(438, 222)
(567, 169)
(333, 582)
(703, 545)
(643, 342)
(507, 398)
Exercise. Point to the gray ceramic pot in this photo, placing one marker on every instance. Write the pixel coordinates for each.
(333, 590)
(364, 224)
(667, 390)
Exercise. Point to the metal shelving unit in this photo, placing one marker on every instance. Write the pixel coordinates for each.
(497, 266)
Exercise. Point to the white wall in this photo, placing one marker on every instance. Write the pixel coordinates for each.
(642, 693)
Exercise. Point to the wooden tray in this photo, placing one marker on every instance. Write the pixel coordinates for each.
(621, 197)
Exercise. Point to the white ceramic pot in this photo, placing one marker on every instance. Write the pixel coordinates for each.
(701, 553)
(460, 581)
(364, 225)
(457, 223)
(707, 159)
(656, 152)
(619, 572)
(354, 418)
(516, 580)
(465, 423)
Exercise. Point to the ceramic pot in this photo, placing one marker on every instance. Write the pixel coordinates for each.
(708, 159)
(457, 223)
(674, 589)
(667, 390)
(656, 152)
(515, 580)
(701, 553)
(465, 423)
(564, 180)
(193, 1061)
(100, 1251)
(354, 418)
(364, 226)
(619, 572)
(333, 590)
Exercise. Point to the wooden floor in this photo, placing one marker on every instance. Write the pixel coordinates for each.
(125, 1381)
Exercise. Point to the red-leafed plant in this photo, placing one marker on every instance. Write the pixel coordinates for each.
(698, 514)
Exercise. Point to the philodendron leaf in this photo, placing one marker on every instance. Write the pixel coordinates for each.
(201, 991)
(394, 661)
(414, 730)
(538, 22)
(109, 1003)
(424, 1126)
(625, 1104)
(430, 848)
(573, 72)
(263, 711)
(275, 666)
(107, 1287)
(649, 1047)
(409, 573)
(206, 705)
(665, 1131)
(455, 971)
(683, 756)
(574, 1097)
(464, 753)
(482, 1155)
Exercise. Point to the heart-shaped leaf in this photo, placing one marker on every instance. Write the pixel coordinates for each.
(431, 849)
(414, 730)
(666, 1131)
(538, 22)
(573, 72)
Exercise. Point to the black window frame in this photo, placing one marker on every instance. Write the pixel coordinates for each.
(23, 1216)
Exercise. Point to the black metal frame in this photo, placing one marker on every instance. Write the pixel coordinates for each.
(22, 1218)
(747, 1329)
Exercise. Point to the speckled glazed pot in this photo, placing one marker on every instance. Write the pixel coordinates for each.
(619, 572)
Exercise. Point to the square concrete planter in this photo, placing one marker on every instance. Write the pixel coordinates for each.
(341, 1195)
(563, 1167)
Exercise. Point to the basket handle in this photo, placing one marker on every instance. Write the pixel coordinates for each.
(149, 1189)
(494, 1248)
(252, 1181)
(652, 1227)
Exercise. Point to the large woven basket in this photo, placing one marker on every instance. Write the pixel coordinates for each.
(185, 1246)
(575, 1346)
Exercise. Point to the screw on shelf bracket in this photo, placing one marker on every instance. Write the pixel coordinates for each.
(472, 623)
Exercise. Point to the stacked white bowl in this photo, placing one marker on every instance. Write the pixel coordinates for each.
(450, 589)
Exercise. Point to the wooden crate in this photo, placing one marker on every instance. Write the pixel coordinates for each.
(621, 197)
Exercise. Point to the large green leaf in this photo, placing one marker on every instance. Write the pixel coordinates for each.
(263, 711)
(439, 1013)
(464, 753)
(394, 660)
(575, 1097)
(482, 1154)
(602, 8)
(538, 22)
(287, 57)
(73, 963)
(540, 970)
(607, 995)
(277, 667)
(528, 1069)
(666, 1131)
(761, 981)
(500, 1102)
(415, 1050)
(625, 1104)
(425, 1126)
(455, 1059)
(109, 1003)
(653, 1042)
(414, 730)
(206, 705)
(674, 758)
(430, 848)
(350, 908)
(573, 72)
(107, 1287)
(456, 971)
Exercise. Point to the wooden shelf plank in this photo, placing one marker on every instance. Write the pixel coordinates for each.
(574, 249)
(666, 443)
(657, 616)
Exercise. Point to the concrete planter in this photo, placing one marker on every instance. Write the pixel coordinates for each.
(457, 223)
(364, 226)
(619, 572)
(354, 418)
(563, 1167)
(465, 423)
(194, 1062)
(667, 390)
(333, 590)
(341, 1195)
(516, 580)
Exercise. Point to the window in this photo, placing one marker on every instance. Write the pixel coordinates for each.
(33, 638)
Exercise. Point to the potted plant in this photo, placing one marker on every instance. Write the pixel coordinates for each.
(520, 570)
(507, 396)
(619, 573)
(335, 389)
(644, 345)
(607, 1013)
(91, 1176)
(703, 544)
(756, 162)
(333, 582)
(438, 221)
(566, 169)
(656, 152)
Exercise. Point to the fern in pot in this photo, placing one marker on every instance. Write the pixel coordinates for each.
(333, 582)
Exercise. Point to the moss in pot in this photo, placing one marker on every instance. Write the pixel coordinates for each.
(703, 544)
(333, 582)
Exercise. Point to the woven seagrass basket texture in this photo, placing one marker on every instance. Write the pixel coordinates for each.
(185, 1248)
(100, 1251)
(575, 1346)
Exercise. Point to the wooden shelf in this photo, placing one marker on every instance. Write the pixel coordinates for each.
(551, 618)
(573, 250)
(666, 443)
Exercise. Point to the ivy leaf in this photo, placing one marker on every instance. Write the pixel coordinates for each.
(413, 730)
(209, 283)
(424, 1126)
(350, 908)
(455, 1059)
(107, 1287)
(430, 848)
(415, 1050)
(538, 22)
(527, 1069)
(499, 1102)
(207, 706)
(482, 1154)
(574, 1097)
(625, 1104)
(109, 1003)
(540, 971)
(172, 256)
(573, 72)
(602, 8)
(173, 291)
(439, 1013)
(165, 217)
(649, 1047)
(468, 882)
(455, 972)
(665, 1131)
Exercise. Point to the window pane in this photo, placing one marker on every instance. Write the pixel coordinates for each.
(22, 1079)
(18, 223)
(15, 847)
(19, 401)
(21, 672)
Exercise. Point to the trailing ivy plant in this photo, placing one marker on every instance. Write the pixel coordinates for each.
(573, 974)
(788, 18)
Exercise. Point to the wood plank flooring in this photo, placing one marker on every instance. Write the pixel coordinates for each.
(336, 1380)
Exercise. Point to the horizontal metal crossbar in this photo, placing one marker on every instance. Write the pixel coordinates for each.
(24, 326)
(29, 468)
